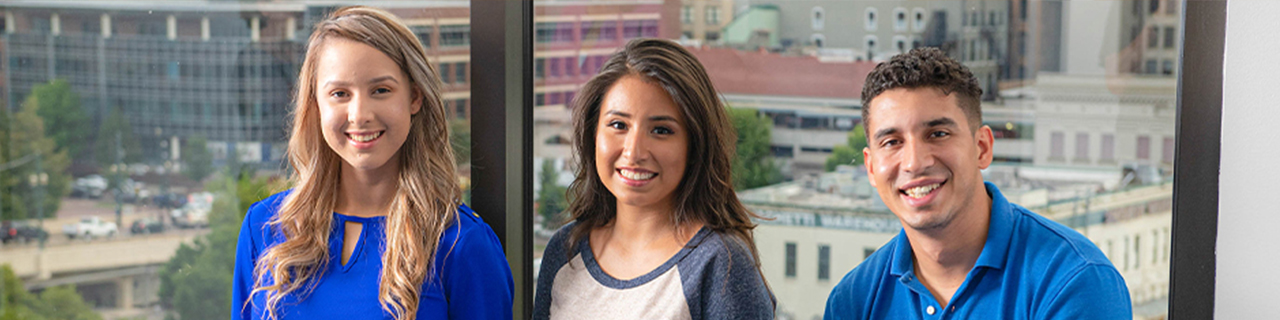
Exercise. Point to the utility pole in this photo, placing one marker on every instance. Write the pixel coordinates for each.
(119, 182)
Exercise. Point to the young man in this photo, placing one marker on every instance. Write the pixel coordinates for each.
(964, 251)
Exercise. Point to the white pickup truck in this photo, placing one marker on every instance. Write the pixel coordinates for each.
(89, 228)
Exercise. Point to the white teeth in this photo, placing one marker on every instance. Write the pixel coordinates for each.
(636, 175)
(365, 137)
(921, 191)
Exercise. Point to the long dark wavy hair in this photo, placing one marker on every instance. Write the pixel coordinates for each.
(705, 193)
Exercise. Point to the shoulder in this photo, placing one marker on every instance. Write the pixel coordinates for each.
(263, 211)
(1047, 237)
(468, 232)
(556, 252)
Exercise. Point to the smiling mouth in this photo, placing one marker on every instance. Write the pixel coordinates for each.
(637, 175)
(921, 191)
(365, 137)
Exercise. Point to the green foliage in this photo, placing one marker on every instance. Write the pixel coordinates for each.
(551, 197)
(753, 166)
(56, 303)
(460, 138)
(851, 152)
(196, 282)
(65, 120)
(24, 135)
(106, 148)
(196, 158)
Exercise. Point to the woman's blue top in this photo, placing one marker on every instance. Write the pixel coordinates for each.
(471, 278)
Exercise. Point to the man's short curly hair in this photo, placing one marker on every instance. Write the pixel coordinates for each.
(926, 67)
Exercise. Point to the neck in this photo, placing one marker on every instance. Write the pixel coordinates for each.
(946, 255)
(367, 192)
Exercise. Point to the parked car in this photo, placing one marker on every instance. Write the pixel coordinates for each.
(91, 186)
(169, 200)
(21, 231)
(89, 228)
(195, 213)
(146, 225)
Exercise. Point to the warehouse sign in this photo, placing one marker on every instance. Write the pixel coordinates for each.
(830, 220)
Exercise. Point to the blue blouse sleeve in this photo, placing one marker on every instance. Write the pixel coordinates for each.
(477, 280)
(247, 249)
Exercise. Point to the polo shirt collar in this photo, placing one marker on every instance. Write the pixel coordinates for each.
(994, 251)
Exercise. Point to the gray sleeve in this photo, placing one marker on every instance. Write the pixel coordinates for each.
(553, 257)
(724, 283)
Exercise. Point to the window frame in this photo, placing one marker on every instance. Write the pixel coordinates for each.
(502, 91)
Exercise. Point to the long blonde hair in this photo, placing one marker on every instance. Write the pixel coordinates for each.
(425, 202)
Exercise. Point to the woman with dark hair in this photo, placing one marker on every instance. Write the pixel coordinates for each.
(657, 231)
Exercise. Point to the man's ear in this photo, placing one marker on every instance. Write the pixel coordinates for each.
(984, 140)
(866, 164)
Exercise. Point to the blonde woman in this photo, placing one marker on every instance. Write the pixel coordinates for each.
(374, 228)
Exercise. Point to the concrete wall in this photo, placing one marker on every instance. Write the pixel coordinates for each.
(1247, 213)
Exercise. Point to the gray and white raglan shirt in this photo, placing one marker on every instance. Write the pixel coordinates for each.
(713, 277)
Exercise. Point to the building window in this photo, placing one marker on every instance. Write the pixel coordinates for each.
(713, 15)
(631, 29)
(818, 18)
(1144, 148)
(1166, 154)
(460, 108)
(1153, 37)
(871, 47)
(539, 65)
(824, 262)
(545, 32)
(444, 72)
(686, 14)
(460, 72)
(1082, 146)
(871, 19)
(919, 19)
(1168, 37)
(791, 260)
(1055, 146)
(1108, 147)
(455, 35)
(899, 19)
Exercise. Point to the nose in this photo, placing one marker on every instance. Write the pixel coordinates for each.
(635, 148)
(917, 156)
(358, 111)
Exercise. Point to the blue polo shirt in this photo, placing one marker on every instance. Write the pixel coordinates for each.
(1029, 268)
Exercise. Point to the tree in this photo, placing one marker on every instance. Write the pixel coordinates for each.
(753, 166)
(64, 118)
(551, 197)
(31, 153)
(107, 148)
(196, 158)
(55, 303)
(851, 152)
(196, 282)
(460, 138)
